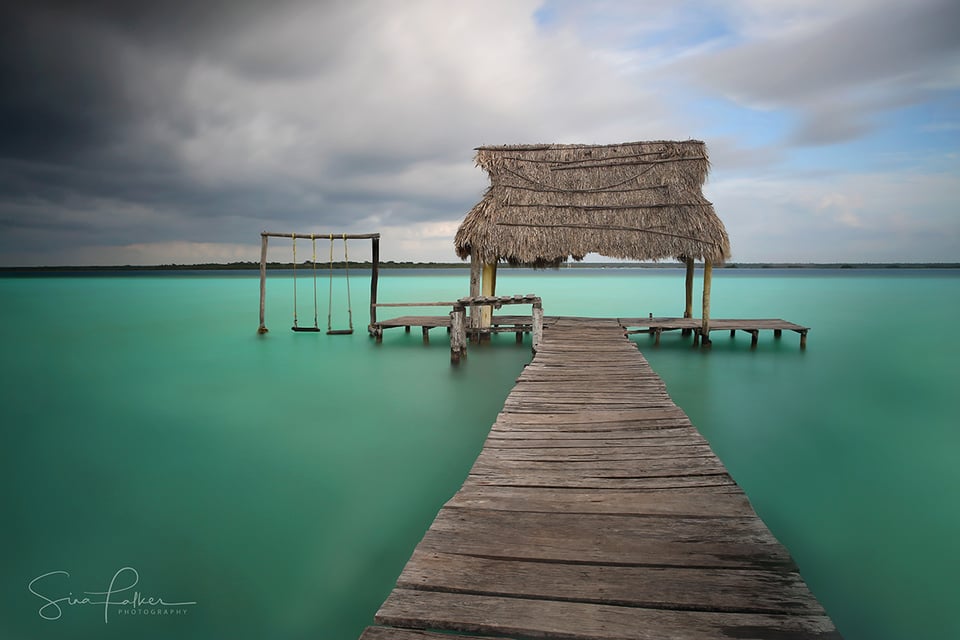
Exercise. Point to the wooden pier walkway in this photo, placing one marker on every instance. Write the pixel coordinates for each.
(596, 510)
(652, 325)
(753, 326)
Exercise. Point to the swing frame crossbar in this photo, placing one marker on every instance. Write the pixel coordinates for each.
(313, 237)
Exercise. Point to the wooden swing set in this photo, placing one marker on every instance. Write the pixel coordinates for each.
(313, 237)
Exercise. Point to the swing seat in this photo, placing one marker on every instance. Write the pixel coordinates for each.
(306, 329)
(339, 332)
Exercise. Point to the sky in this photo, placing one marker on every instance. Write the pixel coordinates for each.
(144, 132)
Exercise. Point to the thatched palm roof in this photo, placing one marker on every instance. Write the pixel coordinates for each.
(637, 200)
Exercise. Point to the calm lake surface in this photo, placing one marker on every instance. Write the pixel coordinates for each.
(281, 482)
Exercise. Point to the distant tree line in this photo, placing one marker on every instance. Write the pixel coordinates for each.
(391, 264)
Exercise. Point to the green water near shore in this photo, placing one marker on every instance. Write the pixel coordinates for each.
(280, 482)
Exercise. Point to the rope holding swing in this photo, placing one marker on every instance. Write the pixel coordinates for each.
(346, 264)
(346, 273)
(330, 292)
(313, 240)
(295, 326)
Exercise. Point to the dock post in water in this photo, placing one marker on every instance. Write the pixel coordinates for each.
(263, 282)
(374, 276)
(476, 270)
(688, 307)
(537, 328)
(705, 327)
(458, 334)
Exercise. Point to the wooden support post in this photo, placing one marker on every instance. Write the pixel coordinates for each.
(263, 283)
(803, 339)
(488, 287)
(656, 333)
(537, 329)
(374, 276)
(519, 337)
(754, 337)
(688, 288)
(696, 337)
(488, 284)
(733, 333)
(458, 334)
(688, 309)
(426, 335)
(777, 333)
(705, 320)
(476, 269)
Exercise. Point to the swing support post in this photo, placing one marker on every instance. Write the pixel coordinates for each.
(374, 276)
(263, 282)
(375, 258)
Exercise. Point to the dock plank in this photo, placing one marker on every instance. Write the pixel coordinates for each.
(601, 501)
(534, 618)
(393, 633)
(700, 589)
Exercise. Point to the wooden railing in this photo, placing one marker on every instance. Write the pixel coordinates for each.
(458, 319)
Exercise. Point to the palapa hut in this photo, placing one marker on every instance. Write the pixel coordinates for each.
(636, 201)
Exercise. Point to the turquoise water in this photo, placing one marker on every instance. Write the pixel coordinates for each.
(280, 482)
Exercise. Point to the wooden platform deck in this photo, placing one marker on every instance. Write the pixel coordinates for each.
(753, 326)
(655, 326)
(501, 323)
(596, 510)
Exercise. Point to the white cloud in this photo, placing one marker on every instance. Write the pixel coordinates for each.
(852, 217)
(412, 81)
(843, 208)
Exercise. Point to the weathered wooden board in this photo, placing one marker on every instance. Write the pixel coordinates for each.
(669, 502)
(601, 416)
(618, 452)
(606, 539)
(489, 464)
(731, 590)
(659, 431)
(552, 440)
(393, 633)
(668, 428)
(561, 480)
(527, 617)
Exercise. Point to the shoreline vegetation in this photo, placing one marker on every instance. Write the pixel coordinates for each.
(390, 264)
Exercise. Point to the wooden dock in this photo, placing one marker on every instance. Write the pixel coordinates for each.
(596, 510)
(753, 326)
(501, 324)
(652, 325)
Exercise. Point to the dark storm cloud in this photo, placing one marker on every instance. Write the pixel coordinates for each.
(92, 112)
(217, 119)
(58, 86)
